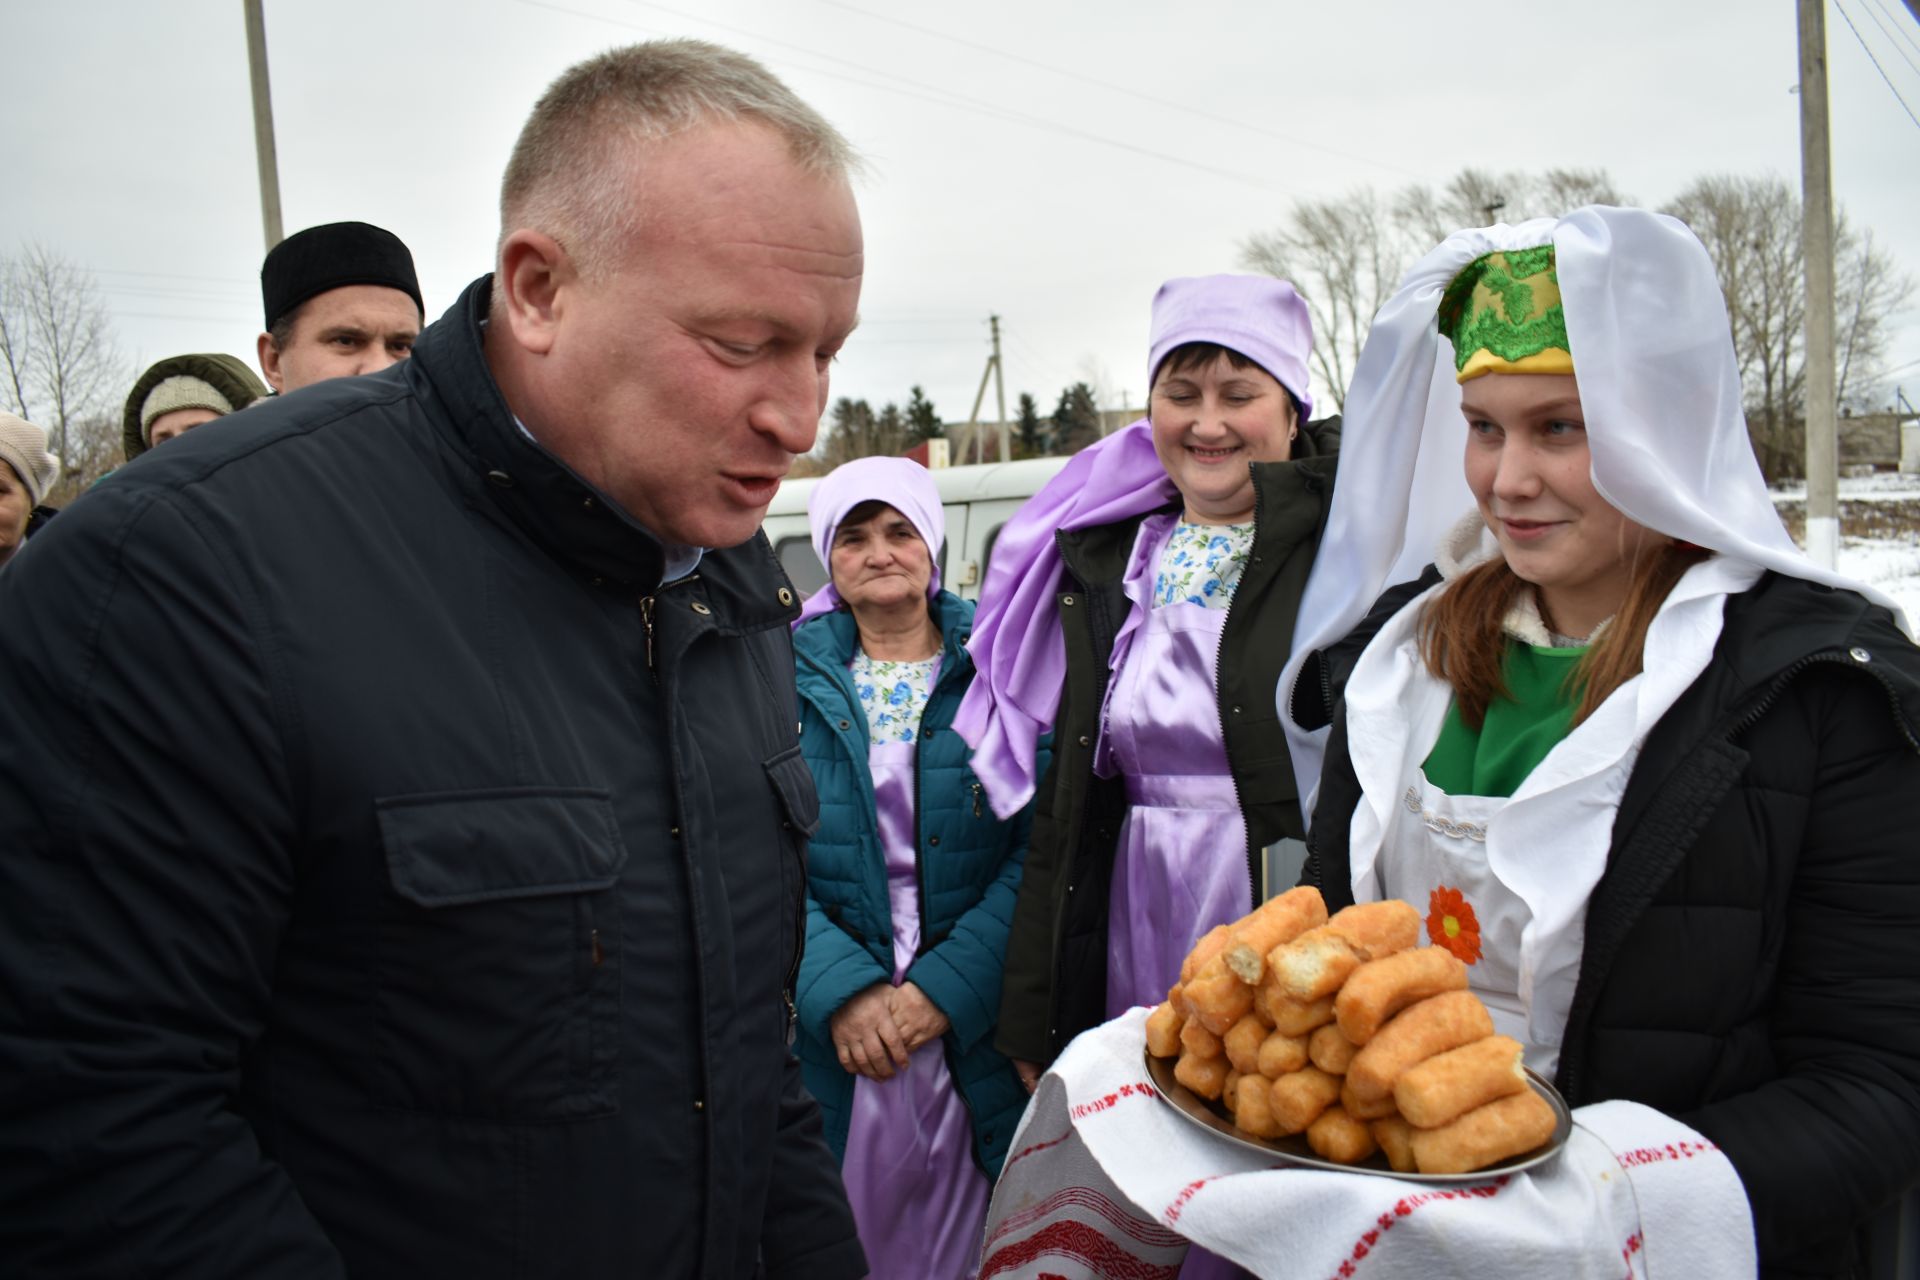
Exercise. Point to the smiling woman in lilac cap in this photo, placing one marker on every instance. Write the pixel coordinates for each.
(911, 881)
(1142, 606)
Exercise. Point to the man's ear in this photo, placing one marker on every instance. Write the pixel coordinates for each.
(534, 274)
(269, 356)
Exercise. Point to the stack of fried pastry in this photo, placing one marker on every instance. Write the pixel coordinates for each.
(1348, 1031)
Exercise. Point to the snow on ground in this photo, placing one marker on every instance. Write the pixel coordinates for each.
(1889, 561)
(1881, 486)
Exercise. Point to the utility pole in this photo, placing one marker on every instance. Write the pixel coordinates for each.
(263, 122)
(1000, 394)
(1816, 242)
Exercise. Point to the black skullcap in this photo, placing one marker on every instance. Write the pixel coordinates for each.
(333, 256)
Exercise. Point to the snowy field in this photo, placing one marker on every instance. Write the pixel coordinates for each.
(1879, 532)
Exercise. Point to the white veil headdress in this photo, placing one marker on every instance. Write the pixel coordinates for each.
(1659, 388)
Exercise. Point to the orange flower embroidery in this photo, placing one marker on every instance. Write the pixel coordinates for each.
(1452, 924)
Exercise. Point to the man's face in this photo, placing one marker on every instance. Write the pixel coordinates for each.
(355, 329)
(685, 378)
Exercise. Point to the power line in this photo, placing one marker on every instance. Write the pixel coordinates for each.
(1873, 13)
(950, 99)
(1905, 35)
(1120, 89)
(1876, 63)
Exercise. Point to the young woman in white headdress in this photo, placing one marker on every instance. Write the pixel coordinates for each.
(1653, 774)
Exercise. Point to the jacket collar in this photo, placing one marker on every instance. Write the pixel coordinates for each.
(566, 516)
(831, 638)
(1290, 499)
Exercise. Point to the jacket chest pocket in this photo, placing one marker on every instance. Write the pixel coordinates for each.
(498, 968)
(799, 813)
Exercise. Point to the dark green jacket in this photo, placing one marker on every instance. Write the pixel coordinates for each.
(1056, 972)
(969, 869)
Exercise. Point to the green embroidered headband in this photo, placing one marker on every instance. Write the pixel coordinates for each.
(1503, 315)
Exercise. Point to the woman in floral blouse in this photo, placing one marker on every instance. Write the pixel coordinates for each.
(911, 882)
(1142, 605)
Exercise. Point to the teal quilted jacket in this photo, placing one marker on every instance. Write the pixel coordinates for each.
(970, 865)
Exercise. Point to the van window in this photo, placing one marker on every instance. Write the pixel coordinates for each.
(802, 565)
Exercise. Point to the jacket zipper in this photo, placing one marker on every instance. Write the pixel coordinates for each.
(919, 850)
(1572, 1070)
(1219, 703)
(1752, 715)
(646, 613)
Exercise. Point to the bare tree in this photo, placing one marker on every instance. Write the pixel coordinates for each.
(56, 344)
(1346, 255)
(1345, 258)
(1751, 228)
(1869, 291)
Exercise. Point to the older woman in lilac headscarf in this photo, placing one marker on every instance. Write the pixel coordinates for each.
(1142, 605)
(911, 881)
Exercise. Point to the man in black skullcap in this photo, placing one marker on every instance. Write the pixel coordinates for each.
(341, 299)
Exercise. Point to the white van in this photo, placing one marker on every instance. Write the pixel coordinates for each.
(978, 500)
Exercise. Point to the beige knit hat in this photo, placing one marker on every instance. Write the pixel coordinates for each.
(181, 391)
(23, 447)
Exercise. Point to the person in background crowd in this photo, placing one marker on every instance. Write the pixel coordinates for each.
(179, 393)
(27, 474)
(402, 823)
(1654, 775)
(341, 300)
(911, 881)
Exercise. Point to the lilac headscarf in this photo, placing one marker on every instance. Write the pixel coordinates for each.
(1017, 646)
(902, 484)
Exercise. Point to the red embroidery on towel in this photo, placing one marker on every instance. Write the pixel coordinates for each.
(1405, 1207)
(1083, 1244)
(1140, 1089)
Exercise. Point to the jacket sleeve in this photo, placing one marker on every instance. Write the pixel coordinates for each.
(808, 1233)
(1837, 1133)
(833, 969)
(963, 974)
(145, 881)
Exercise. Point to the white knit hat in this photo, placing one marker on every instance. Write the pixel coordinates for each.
(181, 391)
(23, 447)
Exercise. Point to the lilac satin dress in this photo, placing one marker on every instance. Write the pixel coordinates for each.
(919, 1200)
(1181, 864)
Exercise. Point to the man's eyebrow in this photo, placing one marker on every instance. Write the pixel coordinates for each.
(344, 331)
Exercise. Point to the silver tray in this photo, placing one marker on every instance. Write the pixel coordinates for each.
(1294, 1150)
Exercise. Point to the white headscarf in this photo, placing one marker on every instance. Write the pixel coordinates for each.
(1659, 388)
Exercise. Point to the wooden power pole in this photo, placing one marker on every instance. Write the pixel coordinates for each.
(1000, 396)
(1816, 242)
(263, 122)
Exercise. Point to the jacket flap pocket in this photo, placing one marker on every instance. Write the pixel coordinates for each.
(450, 848)
(793, 783)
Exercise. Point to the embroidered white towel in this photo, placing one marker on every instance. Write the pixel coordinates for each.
(1106, 1180)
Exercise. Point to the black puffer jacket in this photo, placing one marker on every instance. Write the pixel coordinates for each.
(1056, 976)
(395, 878)
(1752, 956)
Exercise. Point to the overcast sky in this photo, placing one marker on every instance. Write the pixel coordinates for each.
(1047, 162)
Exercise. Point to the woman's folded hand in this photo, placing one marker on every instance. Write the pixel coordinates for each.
(866, 1036)
(918, 1018)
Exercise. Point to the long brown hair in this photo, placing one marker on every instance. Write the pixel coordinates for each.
(1462, 637)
